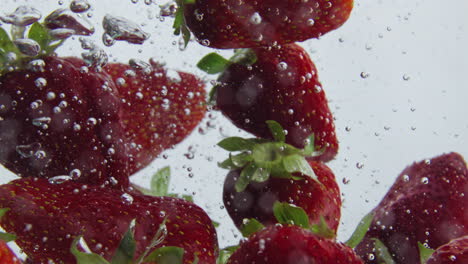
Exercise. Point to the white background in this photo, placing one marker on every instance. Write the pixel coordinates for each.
(384, 122)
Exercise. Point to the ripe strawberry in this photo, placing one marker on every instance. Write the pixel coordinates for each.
(47, 218)
(281, 85)
(6, 255)
(256, 201)
(292, 244)
(234, 24)
(159, 111)
(454, 252)
(426, 204)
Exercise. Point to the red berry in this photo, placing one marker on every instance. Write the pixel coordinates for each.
(246, 24)
(256, 201)
(6, 255)
(282, 85)
(292, 244)
(426, 204)
(454, 252)
(47, 217)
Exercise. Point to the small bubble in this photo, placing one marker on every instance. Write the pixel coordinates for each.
(364, 75)
(406, 77)
(282, 66)
(256, 18)
(310, 22)
(424, 180)
(359, 165)
(40, 82)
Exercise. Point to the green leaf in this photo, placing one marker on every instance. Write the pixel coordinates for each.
(228, 164)
(424, 252)
(195, 259)
(261, 175)
(215, 224)
(179, 22)
(360, 231)
(244, 57)
(213, 63)
(322, 229)
(212, 95)
(241, 159)
(7, 237)
(126, 250)
(309, 149)
(276, 130)
(382, 253)
(5, 42)
(251, 226)
(166, 255)
(83, 257)
(40, 34)
(225, 253)
(297, 163)
(245, 177)
(290, 214)
(3, 211)
(160, 182)
(236, 144)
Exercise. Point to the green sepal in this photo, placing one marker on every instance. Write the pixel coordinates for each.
(127, 246)
(166, 255)
(179, 25)
(237, 144)
(276, 130)
(83, 257)
(215, 224)
(212, 96)
(160, 182)
(322, 229)
(245, 177)
(40, 34)
(225, 254)
(213, 63)
(6, 237)
(6, 44)
(241, 159)
(244, 57)
(291, 215)
(382, 254)
(227, 164)
(424, 252)
(361, 230)
(195, 259)
(298, 164)
(309, 149)
(251, 226)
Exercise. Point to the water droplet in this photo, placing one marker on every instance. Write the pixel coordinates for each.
(65, 18)
(28, 47)
(141, 66)
(168, 9)
(91, 121)
(36, 65)
(127, 198)
(22, 16)
(364, 75)
(406, 178)
(310, 22)
(27, 151)
(359, 165)
(317, 88)
(424, 180)
(120, 28)
(282, 66)
(79, 6)
(406, 77)
(256, 18)
(59, 179)
(42, 121)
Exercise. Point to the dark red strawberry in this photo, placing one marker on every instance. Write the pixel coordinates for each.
(318, 199)
(47, 218)
(159, 110)
(292, 244)
(281, 85)
(245, 24)
(426, 204)
(6, 255)
(454, 252)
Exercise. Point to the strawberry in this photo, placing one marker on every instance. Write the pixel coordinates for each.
(232, 24)
(256, 201)
(6, 255)
(454, 252)
(426, 204)
(279, 84)
(292, 244)
(159, 111)
(49, 218)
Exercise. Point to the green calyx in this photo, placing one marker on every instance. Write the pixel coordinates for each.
(213, 63)
(6, 237)
(25, 45)
(424, 252)
(260, 159)
(179, 25)
(125, 253)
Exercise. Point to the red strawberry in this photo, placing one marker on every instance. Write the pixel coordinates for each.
(53, 123)
(158, 111)
(256, 201)
(6, 255)
(47, 217)
(246, 24)
(292, 244)
(427, 204)
(282, 85)
(454, 252)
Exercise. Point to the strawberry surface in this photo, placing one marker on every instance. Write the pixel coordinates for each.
(282, 85)
(6, 255)
(454, 252)
(47, 217)
(159, 111)
(62, 120)
(426, 204)
(256, 201)
(245, 24)
(292, 244)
